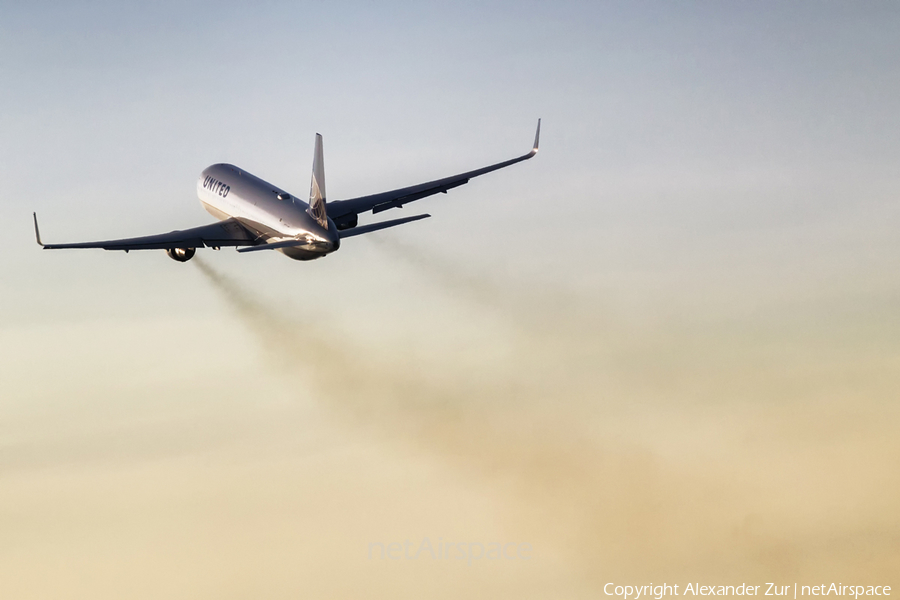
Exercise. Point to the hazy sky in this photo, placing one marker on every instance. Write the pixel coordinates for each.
(664, 348)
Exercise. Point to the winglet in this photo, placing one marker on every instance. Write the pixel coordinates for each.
(537, 138)
(37, 232)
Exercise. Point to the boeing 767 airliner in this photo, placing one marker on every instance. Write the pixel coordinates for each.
(260, 216)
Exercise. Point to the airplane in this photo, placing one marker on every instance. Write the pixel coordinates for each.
(256, 215)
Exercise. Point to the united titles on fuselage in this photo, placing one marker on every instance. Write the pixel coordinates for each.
(216, 186)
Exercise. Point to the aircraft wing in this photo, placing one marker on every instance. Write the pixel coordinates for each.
(343, 212)
(224, 233)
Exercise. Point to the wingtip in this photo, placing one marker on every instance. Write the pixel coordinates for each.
(37, 231)
(537, 138)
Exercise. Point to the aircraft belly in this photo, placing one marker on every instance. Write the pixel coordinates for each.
(216, 212)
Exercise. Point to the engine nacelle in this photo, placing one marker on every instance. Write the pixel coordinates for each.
(346, 222)
(181, 254)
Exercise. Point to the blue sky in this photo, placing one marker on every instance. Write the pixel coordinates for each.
(696, 117)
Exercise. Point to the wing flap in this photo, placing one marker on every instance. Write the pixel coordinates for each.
(417, 195)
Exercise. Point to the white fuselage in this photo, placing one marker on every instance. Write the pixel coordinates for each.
(271, 213)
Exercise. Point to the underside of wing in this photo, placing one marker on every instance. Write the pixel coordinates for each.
(225, 233)
(344, 212)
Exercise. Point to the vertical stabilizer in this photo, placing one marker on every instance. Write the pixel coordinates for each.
(317, 186)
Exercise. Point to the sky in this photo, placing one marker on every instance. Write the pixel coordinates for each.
(665, 349)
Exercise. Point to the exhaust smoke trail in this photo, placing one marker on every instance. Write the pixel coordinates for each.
(673, 469)
(547, 467)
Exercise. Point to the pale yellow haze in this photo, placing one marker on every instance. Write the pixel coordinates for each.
(272, 459)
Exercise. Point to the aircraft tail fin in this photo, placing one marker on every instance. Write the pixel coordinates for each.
(317, 186)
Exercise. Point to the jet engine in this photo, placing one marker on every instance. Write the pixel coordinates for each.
(346, 222)
(181, 254)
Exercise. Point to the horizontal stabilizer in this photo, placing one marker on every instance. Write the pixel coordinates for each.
(378, 226)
